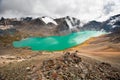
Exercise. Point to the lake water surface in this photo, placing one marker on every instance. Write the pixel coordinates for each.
(53, 43)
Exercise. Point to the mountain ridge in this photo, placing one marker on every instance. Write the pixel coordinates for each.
(65, 23)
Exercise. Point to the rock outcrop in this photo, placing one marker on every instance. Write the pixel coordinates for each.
(71, 67)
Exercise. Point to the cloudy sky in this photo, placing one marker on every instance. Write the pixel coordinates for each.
(83, 9)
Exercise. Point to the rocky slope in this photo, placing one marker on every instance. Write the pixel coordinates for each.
(46, 26)
(43, 26)
(109, 25)
(71, 67)
(96, 59)
(104, 48)
(63, 66)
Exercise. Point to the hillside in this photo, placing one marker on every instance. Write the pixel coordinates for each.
(95, 59)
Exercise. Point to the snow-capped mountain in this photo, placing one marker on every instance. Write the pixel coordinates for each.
(49, 26)
(72, 22)
(112, 23)
(41, 20)
(42, 25)
(109, 25)
(68, 24)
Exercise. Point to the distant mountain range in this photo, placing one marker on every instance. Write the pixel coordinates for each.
(110, 25)
(49, 26)
(41, 26)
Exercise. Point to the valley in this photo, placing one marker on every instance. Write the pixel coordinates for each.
(93, 56)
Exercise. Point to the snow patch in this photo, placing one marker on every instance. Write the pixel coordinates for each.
(49, 20)
(113, 26)
(69, 24)
(72, 23)
(81, 24)
(114, 20)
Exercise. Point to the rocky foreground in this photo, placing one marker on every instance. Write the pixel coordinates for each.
(67, 66)
(71, 67)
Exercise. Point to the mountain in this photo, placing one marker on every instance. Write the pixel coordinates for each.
(68, 24)
(110, 25)
(43, 26)
(92, 25)
(47, 26)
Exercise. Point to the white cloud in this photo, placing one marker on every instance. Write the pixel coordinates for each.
(83, 9)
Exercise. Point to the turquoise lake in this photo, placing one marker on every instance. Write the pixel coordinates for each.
(54, 43)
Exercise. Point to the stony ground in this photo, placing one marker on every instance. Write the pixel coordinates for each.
(71, 67)
(68, 66)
